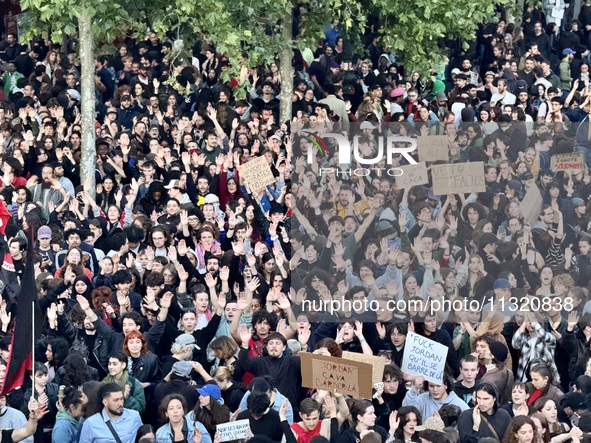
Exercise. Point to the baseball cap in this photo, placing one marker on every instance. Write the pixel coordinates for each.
(489, 73)
(502, 283)
(455, 71)
(568, 51)
(112, 111)
(211, 390)
(182, 369)
(174, 184)
(398, 92)
(125, 97)
(433, 423)
(44, 232)
(526, 176)
(74, 94)
(276, 137)
(441, 97)
(211, 198)
(185, 339)
(366, 125)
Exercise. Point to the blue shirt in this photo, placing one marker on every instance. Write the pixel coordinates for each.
(95, 429)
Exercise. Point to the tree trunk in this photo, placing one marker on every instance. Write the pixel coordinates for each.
(88, 161)
(286, 72)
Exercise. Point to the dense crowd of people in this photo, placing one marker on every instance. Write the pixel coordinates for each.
(176, 299)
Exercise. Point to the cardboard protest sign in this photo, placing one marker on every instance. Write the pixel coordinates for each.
(531, 205)
(256, 174)
(571, 163)
(377, 363)
(333, 373)
(424, 357)
(458, 178)
(433, 148)
(234, 430)
(413, 175)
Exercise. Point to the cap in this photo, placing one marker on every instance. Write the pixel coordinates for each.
(398, 92)
(568, 51)
(74, 94)
(44, 232)
(489, 73)
(526, 176)
(366, 125)
(185, 339)
(211, 198)
(57, 164)
(488, 238)
(502, 283)
(276, 137)
(514, 184)
(521, 86)
(174, 184)
(125, 97)
(577, 201)
(384, 226)
(498, 350)
(211, 390)
(455, 71)
(112, 110)
(441, 97)
(182, 368)
(335, 65)
(433, 423)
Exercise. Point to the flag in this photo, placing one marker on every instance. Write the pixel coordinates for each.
(5, 217)
(21, 350)
(9, 278)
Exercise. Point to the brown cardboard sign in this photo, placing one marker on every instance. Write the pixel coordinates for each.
(458, 178)
(531, 205)
(433, 147)
(571, 163)
(256, 174)
(377, 363)
(413, 175)
(336, 374)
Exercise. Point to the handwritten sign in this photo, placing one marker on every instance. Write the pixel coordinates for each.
(433, 147)
(572, 163)
(414, 175)
(377, 363)
(531, 205)
(424, 357)
(257, 174)
(333, 373)
(234, 430)
(458, 178)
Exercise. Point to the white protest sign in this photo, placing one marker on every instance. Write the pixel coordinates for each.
(424, 357)
(234, 430)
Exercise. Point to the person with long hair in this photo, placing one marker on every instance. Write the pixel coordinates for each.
(406, 431)
(209, 410)
(363, 419)
(177, 428)
(90, 398)
(521, 430)
(56, 353)
(548, 408)
(486, 419)
(143, 365)
(68, 421)
(542, 426)
(541, 385)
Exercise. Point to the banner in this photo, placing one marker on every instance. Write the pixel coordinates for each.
(424, 357)
(332, 373)
(377, 363)
(256, 174)
(414, 175)
(458, 178)
(234, 430)
(433, 148)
